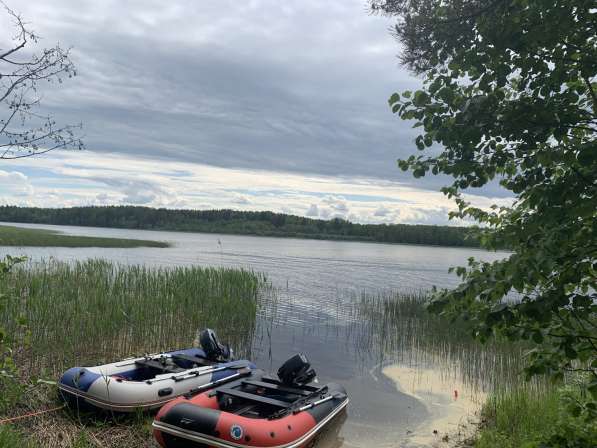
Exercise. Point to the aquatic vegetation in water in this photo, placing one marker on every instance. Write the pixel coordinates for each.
(396, 327)
(21, 237)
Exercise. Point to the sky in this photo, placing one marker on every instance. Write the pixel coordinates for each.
(251, 105)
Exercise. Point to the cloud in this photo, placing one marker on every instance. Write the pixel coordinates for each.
(12, 178)
(336, 204)
(106, 199)
(325, 213)
(288, 99)
(292, 87)
(312, 211)
(83, 178)
(15, 183)
(241, 200)
(381, 212)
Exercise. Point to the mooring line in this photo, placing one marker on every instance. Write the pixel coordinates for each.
(31, 414)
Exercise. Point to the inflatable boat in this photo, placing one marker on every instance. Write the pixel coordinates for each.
(253, 410)
(150, 381)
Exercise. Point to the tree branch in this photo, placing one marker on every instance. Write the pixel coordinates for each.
(18, 91)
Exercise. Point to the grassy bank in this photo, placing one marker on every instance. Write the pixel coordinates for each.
(528, 416)
(19, 236)
(88, 313)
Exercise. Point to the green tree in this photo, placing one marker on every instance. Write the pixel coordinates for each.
(509, 96)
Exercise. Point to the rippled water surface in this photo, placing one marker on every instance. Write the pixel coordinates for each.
(316, 282)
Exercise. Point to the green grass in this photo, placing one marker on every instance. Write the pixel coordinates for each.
(526, 417)
(11, 438)
(19, 236)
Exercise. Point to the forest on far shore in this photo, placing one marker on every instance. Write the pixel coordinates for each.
(242, 223)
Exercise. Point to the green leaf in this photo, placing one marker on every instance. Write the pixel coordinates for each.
(420, 142)
(537, 337)
(394, 99)
(421, 98)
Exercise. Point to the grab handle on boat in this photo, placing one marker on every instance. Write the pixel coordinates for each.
(318, 402)
(186, 376)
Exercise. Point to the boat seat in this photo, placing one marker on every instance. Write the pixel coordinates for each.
(194, 359)
(155, 365)
(306, 387)
(277, 387)
(253, 397)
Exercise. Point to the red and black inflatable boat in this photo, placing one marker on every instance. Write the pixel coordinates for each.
(253, 410)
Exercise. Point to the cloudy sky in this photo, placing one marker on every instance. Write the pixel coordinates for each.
(245, 104)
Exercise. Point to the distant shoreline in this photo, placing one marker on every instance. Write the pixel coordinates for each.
(232, 222)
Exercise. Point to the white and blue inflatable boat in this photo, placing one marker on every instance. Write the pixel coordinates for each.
(150, 381)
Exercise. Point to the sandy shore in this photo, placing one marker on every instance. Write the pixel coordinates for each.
(453, 407)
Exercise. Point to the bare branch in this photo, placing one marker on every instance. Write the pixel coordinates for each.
(34, 133)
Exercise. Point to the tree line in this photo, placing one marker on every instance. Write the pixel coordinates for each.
(261, 223)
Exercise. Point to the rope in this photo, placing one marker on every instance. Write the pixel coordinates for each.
(30, 414)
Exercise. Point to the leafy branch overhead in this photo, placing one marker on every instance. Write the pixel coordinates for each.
(510, 95)
(23, 130)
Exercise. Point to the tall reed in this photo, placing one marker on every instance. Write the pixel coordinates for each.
(95, 311)
(396, 326)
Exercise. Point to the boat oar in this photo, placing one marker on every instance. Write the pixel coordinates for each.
(241, 373)
(198, 372)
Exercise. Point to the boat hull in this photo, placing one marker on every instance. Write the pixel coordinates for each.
(114, 387)
(199, 422)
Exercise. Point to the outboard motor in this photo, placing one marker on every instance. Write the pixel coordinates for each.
(214, 351)
(296, 371)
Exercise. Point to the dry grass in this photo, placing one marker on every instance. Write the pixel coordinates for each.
(64, 428)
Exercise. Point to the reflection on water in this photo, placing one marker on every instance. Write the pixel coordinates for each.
(330, 436)
(317, 310)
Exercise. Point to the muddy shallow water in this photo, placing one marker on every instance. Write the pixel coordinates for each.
(397, 399)
(392, 404)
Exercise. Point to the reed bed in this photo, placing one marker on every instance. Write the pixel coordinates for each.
(395, 326)
(91, 312)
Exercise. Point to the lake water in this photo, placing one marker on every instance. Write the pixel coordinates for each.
(314, 280)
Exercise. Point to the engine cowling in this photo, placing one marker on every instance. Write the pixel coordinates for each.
(296, 371)
(214, 350)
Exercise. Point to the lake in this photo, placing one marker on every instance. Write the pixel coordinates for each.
(392, 403)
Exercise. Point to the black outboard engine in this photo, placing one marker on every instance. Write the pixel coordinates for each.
(214, 351)
(296, 371)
